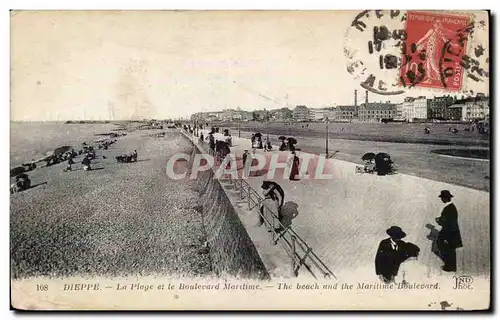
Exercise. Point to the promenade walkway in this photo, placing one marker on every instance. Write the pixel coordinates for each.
(343, 219)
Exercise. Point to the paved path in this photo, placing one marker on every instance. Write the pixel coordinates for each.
(344, 219)
(413, 159)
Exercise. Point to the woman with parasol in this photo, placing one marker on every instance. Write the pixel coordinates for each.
(283, 146)
(257, 141)
(291, 144)
(368, 158)
(269, 210)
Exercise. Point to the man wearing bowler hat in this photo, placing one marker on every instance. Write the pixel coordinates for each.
(390, 254)
(449, 238)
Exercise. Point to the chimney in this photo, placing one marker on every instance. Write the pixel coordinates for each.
(366, 97)
(355, 98)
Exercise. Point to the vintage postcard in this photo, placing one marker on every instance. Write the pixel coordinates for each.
(250, 160)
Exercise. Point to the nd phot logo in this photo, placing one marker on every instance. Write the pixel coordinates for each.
(463, 282)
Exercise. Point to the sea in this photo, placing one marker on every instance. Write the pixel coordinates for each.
(33, 140)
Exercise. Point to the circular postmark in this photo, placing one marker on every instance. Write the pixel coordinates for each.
(372, 46)
(389, 51)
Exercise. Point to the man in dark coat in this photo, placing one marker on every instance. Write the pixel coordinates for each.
(390, 254)
(244, 157)
(449, 238)
(211, 142)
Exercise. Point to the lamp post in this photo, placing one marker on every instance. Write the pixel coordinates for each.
(267, 124)
(326, 141)
(239, 132)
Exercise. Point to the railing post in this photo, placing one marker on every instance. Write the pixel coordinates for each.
(294, 265)
(248, 197)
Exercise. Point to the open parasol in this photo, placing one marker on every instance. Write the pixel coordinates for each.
(368, 156)
(281, 138)
(292, 140)
(257, 135)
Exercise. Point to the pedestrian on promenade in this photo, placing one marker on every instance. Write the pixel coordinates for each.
(295, 162)
(271, 186)
(288, 212)
(283, 146)
(229, 140)
(259, 142)
(211, 143)
(390, 254)
(269, 211)
(244, 157)
(449, 237)
(268, 146)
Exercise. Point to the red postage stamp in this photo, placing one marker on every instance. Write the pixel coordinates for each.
(434, 48)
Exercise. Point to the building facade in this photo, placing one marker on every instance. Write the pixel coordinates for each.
(438, 107)
(375, 112)
(408, 111)
(399, 112)
(345, 113)
(420, 108)
(301, 113)
(475, 108)
(318, 114)
(455, 111)
(282, 114)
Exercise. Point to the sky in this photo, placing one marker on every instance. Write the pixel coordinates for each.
(165, 64)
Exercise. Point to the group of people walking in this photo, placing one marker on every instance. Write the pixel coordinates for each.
(293, 163)
(393, 251)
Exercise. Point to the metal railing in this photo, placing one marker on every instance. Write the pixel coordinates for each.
(296, 247)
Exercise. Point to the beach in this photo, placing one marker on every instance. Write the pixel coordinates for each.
(118, 219)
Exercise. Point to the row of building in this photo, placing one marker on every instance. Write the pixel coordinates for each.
(444, 108)
(411, 109)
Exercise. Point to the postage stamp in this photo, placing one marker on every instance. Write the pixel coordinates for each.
(433, 50)
(391, 51)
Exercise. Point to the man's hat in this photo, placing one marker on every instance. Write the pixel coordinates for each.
(445, 194)
(396, 232)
